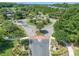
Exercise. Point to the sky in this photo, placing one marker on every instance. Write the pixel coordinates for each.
(39, 0)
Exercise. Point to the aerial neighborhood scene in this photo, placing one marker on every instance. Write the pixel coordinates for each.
(39, 29)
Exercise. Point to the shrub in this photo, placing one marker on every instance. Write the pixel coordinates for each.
(62, 51)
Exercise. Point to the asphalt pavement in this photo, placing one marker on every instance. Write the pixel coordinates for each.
(39, 47)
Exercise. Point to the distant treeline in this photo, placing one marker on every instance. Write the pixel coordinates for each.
(6, 4)
(67, 5)
(10, 4)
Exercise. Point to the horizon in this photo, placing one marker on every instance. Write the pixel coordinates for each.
(46, 2)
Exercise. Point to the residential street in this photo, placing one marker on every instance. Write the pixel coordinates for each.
(38, 48)
(30, 30)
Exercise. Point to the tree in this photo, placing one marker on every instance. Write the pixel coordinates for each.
(2, 31)
(68, 26)
(12, 30)
(1, 19)
(19, 15)
(39, 25)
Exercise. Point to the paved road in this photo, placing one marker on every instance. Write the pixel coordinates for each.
(39, 47)
(50, 30)
(30, 30)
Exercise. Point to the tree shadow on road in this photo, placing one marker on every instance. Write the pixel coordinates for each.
(44, 31)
